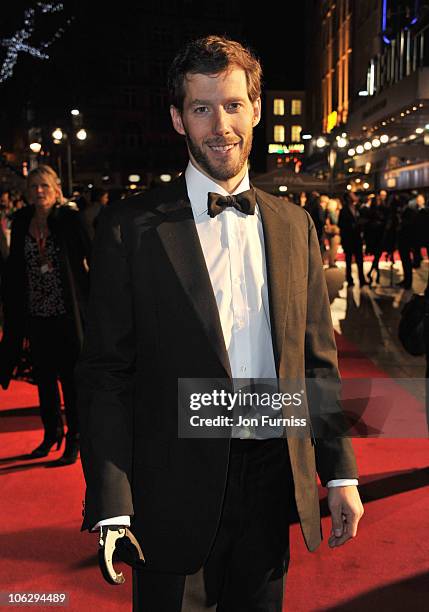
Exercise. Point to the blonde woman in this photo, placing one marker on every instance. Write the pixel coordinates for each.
(44, 296)
(332, 231)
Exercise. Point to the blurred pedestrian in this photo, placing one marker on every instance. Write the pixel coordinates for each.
(315, 206)
(100, 198)
(44, 295)
(332, 230)
(408, 242)
(376, 216)
(302, 199)
(351, 236)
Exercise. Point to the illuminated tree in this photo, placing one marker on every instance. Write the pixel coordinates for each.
(20, 41)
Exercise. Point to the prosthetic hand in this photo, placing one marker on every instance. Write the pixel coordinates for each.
(117, 539)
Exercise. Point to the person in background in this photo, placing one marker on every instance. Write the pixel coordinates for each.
(100, 199)
(18, 202)
(351, 236)
(332, 230)
(44, 293)
(408, 240)
(302, 199)
(421, 233)
(376, 218)
(4, 252)
(316, 206)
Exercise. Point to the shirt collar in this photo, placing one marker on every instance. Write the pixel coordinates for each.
(199, 185)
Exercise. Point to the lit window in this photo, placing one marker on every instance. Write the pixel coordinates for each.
(296, 107)
(279, 106)
(296, 133)
(279, 133)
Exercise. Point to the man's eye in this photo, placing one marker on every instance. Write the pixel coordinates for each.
(234, 106)
(200, 109)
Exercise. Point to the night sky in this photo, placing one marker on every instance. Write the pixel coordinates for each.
(278, 37)
(81, 62)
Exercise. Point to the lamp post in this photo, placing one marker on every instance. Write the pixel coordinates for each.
(35, 148)
(332, 145)
(59, 136)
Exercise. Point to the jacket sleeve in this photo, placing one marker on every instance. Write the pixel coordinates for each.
(334, 453)
(14, 302)
(105, 378)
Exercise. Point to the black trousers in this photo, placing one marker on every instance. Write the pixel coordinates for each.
(250, 555)
(54, 351)
(405, 247)
(357, 252)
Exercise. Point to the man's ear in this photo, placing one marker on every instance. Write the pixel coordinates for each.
(176, 118)
(256, 111)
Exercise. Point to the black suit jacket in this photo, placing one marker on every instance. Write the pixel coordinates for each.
(153, 319)
(350, 229)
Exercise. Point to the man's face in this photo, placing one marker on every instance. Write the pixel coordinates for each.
(383, 195)
(218, 120)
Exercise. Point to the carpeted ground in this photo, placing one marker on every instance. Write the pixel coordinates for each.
(385, 568)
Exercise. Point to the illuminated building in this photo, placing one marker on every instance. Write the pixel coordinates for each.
(369, 79)
(396, 107)
(284, 122)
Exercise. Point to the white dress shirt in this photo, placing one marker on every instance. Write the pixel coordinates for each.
(234, 251)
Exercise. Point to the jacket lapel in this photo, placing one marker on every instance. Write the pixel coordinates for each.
(277, 238)
(179, 237)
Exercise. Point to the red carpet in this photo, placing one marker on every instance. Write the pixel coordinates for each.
(385, 568)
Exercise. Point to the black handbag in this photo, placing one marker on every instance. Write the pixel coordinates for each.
(411, 325)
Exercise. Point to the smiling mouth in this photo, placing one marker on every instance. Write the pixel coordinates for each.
(223, 148)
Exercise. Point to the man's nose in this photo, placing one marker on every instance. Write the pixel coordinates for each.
(221, 122)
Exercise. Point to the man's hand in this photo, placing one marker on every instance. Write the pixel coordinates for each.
(346, 511)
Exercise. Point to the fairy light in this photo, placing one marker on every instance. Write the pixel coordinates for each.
(19, 42)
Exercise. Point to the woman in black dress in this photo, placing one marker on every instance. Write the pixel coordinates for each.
(44, 295)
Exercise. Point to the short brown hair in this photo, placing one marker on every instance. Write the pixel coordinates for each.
(211, 55)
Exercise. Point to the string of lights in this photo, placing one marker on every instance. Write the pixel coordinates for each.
(19, 41)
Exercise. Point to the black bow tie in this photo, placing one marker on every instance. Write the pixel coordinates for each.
(245, 202)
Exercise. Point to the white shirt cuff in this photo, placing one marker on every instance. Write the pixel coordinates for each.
(342, 482)
(115, 520)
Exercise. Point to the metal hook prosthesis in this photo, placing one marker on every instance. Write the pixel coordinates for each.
(109, 537)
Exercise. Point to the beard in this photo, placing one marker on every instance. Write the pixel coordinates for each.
(221, 170)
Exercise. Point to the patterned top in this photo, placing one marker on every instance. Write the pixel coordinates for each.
(45, 289)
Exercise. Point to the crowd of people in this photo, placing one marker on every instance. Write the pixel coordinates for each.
(374, 225)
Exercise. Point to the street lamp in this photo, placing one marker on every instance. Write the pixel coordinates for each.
(59, 136)
(81, 134)
(35, 147)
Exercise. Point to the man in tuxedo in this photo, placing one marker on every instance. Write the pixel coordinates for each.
(195, 280)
